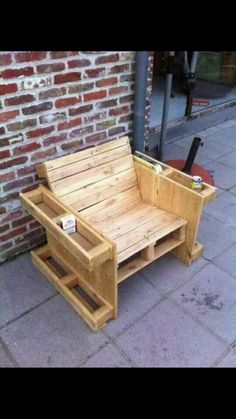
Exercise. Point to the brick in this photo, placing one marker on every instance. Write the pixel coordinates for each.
(12, 215)
(29, 188)
(2, 130)
(96, 137)
(13, 162)
(4, 154)
(95, 72)
(34, 225)
(107, 82)
(67, 78)
(132, 66)
(13, 233)
(126, 118)
(95, 117)
(67, 101)
(70, 124)
(78, 88)
(56, 92)
(50, 68)
(118, 90)
(17, 72)
(127, 56)
(17, 183)
(21, 125)
(116, 131)
(35, 82)
(4, 228)
(5, 246)
(95, 95)
(75, 144)
(121, 68)
(18, 100)
(107, 103)
(79, 63)
(42, 107)
(81, 131)
(15, 251)
(28, 236)
(5, 59)
(40, 155)
(10, 197)
(52, 117)
(40, 131)
(126, 78)
(8, 88)
(7, 176)
(106, 124)
(119, 111)
(63, 54)
(22, 221)
(26, 170)
(54, 140)
(107, 59)
(38, 240)
(22, 57)
(81, 109)
(27, 148)
(127, 98)
(3, 142)
(7, 116)
(11, 140)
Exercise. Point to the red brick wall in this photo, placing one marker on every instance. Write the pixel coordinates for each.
(54, 103)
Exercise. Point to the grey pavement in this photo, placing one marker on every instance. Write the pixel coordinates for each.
(170, 315)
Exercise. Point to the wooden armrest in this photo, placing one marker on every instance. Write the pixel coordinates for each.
(85, 245)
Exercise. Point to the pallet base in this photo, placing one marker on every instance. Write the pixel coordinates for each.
(72, 288)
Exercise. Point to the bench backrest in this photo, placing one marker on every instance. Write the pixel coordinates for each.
(87, 177)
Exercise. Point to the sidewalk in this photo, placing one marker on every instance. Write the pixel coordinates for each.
(170, 315)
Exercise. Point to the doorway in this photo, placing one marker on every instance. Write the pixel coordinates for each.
(215, 85)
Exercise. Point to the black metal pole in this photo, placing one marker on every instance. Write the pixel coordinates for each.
(169, 78)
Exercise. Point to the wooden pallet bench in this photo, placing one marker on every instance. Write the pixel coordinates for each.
(127, 215)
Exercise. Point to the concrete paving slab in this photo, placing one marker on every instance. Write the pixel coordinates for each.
(211, 297)
(52, 335)
(136, 296)
(167, 337)
(215, 235)
(5, 361)
(167, 273)
(22, 287)
(227, 260)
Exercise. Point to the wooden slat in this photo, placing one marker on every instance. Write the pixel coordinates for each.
(114, 206)
(86, 164)
(131, 244)
(104, 189)
(100, 284)
(139, 263)
(70, 280)
(131, 220)
(67, 294)
(81, 155)
(92, 176)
